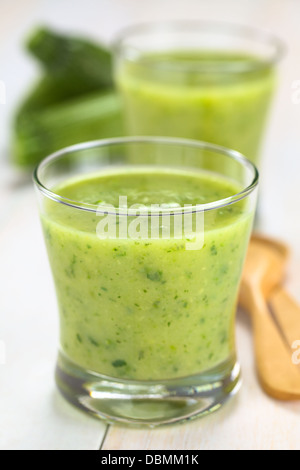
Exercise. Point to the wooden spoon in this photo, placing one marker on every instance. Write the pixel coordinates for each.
(264, 271)
(287, 314)
(283, 307)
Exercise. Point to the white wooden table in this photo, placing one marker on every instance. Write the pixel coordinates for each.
(32, 413)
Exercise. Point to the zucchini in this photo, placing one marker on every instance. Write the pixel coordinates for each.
(92, 117)
(74, 100)
(83, 61)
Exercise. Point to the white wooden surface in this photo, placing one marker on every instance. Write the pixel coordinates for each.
(32, 414)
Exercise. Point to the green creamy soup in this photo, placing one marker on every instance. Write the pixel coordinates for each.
(147, 309)
(214, 97)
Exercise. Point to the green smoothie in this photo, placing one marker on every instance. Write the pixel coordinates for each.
(214, 97)
(147, 309)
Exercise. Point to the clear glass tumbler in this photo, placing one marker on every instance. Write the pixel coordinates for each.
(198, 80)
(147, 292)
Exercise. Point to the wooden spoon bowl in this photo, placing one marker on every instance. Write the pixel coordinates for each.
(264, 268)
(263, 273)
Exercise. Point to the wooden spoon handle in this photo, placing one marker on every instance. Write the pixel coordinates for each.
(279, 377)
(287, 314)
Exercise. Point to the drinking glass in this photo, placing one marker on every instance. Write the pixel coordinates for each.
(207, 81)
(146, 295)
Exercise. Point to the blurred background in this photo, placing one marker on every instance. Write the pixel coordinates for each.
(101, 20)
(25, 297)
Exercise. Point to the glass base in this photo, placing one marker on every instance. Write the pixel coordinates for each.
(145, 403)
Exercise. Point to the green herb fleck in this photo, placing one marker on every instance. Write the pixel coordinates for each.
(47, 233)
(155, 276)
(123, 253)
(70, 271)
(223, 338)
(141, 355)
(224, 269)
(213, 250)
(93, 342)
(79, 339)
(119, 363)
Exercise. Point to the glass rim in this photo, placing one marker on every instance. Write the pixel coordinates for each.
(218, 204)
(234, 29)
